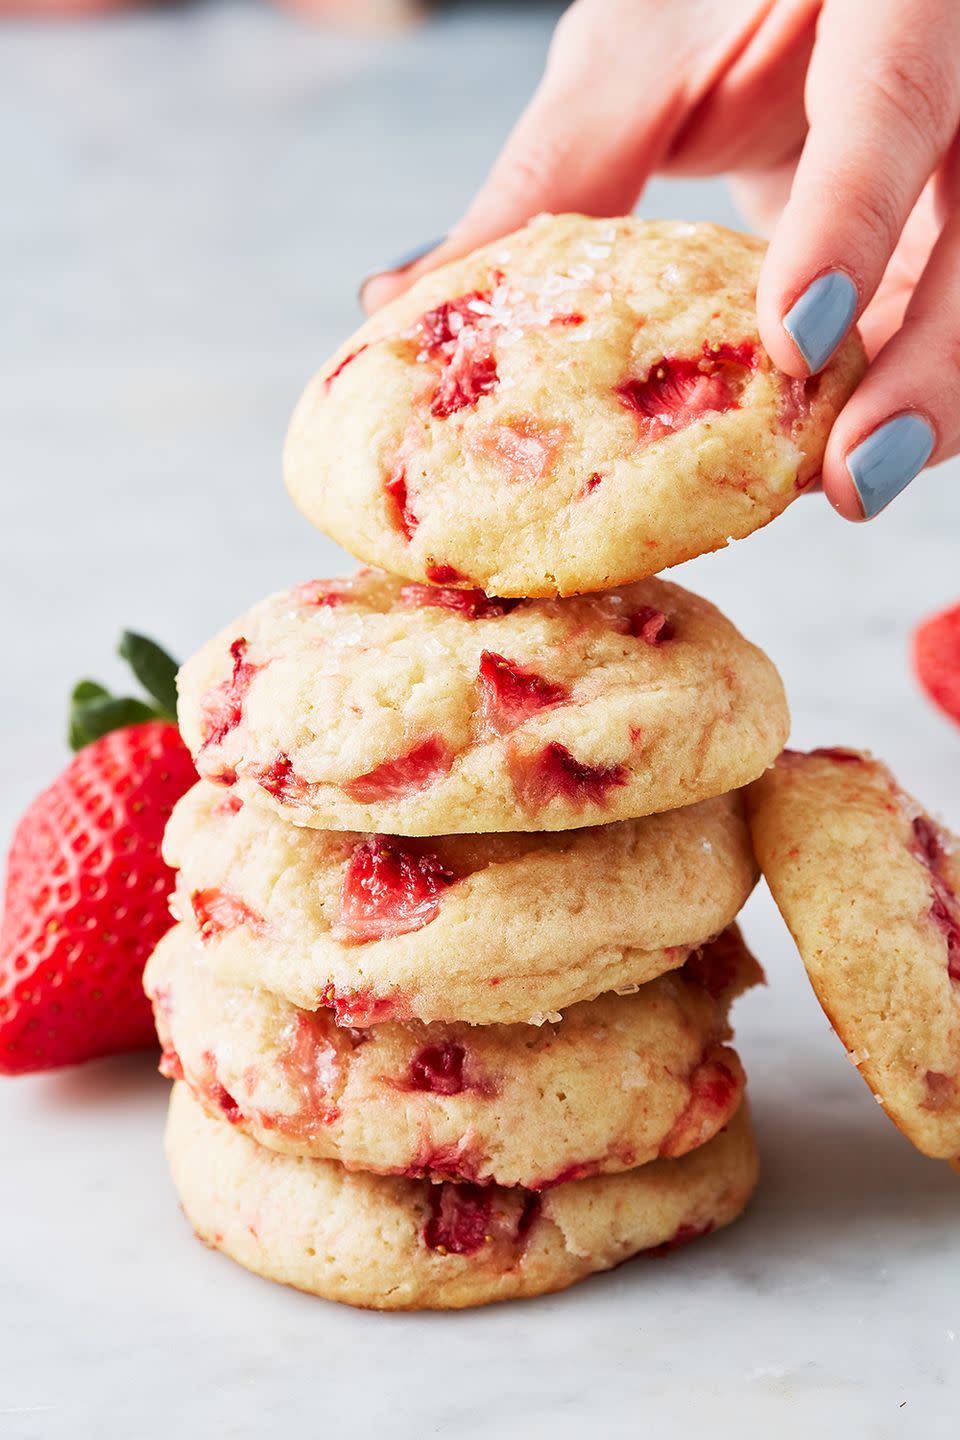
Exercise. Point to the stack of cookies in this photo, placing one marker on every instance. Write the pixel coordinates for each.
(448, 995)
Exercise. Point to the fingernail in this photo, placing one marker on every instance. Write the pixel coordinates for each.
(890, 457)
(402, 262)
(818, 321)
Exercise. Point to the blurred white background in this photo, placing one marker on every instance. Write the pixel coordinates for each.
(190, 199)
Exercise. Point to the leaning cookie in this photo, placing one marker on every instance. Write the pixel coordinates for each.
(397, 1244)
(484, 928)
(579, 405)
(868, 885)
(366, 704)
(615, 1083)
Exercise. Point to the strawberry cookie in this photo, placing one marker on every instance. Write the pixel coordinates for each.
(869, 887)
(579, 405)
(512, 1104)
(391, 1243)
(483, 928)
(368, 704)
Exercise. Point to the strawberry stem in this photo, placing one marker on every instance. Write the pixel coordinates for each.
(154, 669)
(94, 712)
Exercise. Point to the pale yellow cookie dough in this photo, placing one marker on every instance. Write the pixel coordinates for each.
(523, 924)
(868, 885)
(616, 1083)
(365, 704)
(397, 1244)
(578, 405)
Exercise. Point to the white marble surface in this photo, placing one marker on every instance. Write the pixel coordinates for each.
(189, 200)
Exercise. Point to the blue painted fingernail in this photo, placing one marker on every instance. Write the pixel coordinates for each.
(890, 457)
(410, 256)
(818, 321)
(401, 262)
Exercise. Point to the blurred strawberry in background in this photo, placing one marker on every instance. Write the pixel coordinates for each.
(936, 658)
(87, 888)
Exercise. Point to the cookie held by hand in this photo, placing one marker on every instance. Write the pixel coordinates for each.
(576, 406)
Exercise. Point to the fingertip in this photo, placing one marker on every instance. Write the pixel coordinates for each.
(842, 495)
(777, 341)
(803, 331)
(377, 289)
(383, 285)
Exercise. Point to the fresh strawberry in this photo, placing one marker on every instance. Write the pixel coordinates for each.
(87, 888)
(936, 655)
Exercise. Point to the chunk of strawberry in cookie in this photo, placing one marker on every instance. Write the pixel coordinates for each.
(339, 369)
(458, 336)
(395, 779)
(320, 594)
(473, 604)
(724, 966)
(679, 390)
(311, 1066)
(360, 1008)
(714, 1094)
(930, 850)
(471, 373)
(523, 449)
(221, 709)
(510, 694)
(389, 888)
(459, 1219)
(171, 1066)
(438, 331)
(554, 773)
(439, 574)
(280, 780)
(438, 1069)
(396, 489)
(651, 625)
(218, 911)
(216, 1093)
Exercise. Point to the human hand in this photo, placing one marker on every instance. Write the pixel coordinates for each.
(837, 121)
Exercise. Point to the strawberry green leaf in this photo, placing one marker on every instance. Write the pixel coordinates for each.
(154, 668)
(88, 690)
(96, 716)
(82, 693)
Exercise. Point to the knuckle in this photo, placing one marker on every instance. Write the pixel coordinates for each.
(532, 169)
(569, 29)
(949, 346)
(918, 88)
(869, 208)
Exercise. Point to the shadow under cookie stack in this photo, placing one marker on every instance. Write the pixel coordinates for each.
(447, 1000)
